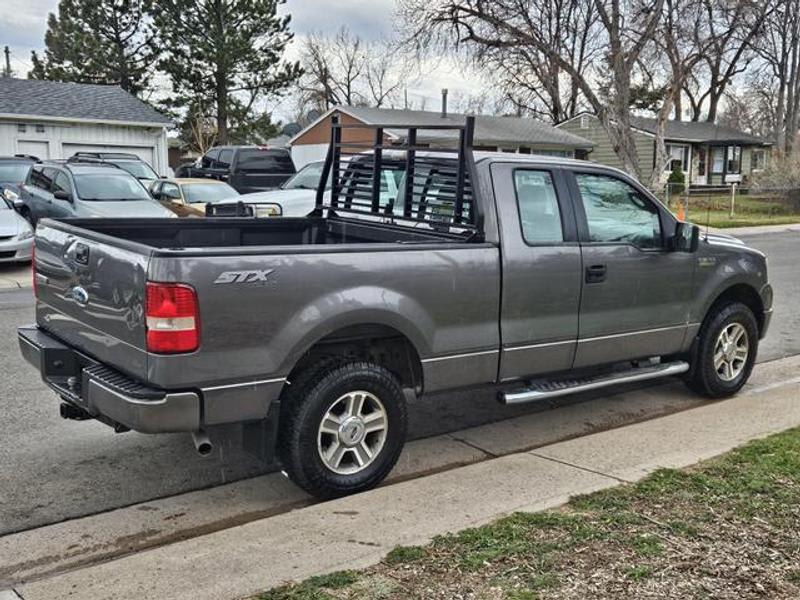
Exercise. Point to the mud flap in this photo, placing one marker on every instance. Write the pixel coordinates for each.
(259, 438)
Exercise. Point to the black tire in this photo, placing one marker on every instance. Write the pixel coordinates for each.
(309, 398)
(703, 377)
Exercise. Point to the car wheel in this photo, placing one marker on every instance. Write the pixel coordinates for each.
(343, 427)
(725, 351)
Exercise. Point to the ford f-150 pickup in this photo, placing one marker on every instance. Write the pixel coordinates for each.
(539, 276)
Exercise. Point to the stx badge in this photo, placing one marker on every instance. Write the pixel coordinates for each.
(243, 276)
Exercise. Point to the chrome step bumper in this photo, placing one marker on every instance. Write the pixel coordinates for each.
(543, 390)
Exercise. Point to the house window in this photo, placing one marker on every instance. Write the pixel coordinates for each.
(39, 128)
(584, 121)
(21, 128)
(734, 159)
(758, 160)
(717, 159)
(679, 154)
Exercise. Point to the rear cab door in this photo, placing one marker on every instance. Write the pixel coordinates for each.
(636, 291)
(541, 266)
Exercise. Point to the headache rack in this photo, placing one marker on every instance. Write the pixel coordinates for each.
(403, 182)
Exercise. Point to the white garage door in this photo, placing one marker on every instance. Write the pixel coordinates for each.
(146, 154)
(36, 148)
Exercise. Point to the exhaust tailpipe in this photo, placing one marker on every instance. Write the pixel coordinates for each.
(202, 444)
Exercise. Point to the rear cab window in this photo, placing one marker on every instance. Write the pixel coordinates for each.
(267, 161)
(540, 216)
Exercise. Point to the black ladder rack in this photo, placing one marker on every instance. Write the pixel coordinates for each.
(435, 186)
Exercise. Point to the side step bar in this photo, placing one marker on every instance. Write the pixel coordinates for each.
(545, 389)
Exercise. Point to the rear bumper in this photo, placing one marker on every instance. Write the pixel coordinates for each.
(104, 393)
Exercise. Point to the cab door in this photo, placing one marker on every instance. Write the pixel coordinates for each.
(541, 265)
(635, 290)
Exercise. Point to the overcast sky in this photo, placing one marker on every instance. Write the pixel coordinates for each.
(23, 24)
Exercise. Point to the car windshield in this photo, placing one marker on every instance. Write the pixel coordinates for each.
(140, 170)
(109, 187)
(207, 192)
(307, 178)
(14, 171)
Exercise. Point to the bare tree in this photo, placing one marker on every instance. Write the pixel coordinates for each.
(343, 69)
(730, 29)
(534, 82)
(682, 45)
(775, 82)
(513, 25)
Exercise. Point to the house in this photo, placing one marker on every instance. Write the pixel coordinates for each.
(709, 154)
(52, 119)
(504, 134)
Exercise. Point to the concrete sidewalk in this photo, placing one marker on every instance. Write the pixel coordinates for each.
(754, 230)
(359, 530)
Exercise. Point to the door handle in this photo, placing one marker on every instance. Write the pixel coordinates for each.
(596, 274)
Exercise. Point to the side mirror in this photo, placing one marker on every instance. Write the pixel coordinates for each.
(687, 237)
(18, 204)
(62, 195)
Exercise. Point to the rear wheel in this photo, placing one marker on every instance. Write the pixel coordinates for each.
(726, 351)
(343, 427)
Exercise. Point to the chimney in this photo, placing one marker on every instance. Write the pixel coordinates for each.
(444, 103)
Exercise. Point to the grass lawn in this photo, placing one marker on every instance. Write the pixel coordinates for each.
(749, 210)
(728, 528)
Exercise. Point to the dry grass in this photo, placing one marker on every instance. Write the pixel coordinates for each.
(728, 529)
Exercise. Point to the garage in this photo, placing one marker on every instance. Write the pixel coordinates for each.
(54, 120)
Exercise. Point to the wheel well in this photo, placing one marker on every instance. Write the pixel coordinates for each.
(745, 294)
(377, 343)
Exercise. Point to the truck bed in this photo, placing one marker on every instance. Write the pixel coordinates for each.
(170, 234)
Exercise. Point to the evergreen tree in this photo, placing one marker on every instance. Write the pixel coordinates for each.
(226, 55)
(99, 41)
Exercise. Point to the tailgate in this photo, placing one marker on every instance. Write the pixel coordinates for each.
(90, 294)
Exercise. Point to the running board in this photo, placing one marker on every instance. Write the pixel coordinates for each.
(545, 389)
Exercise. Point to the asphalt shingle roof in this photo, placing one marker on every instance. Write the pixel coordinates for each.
(489, 131)
(104, 103)
(691, 131)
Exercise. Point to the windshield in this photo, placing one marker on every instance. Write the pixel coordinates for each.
(109, 187)
(140, 170)
(207, 192)
(14, 171)
(307, 178)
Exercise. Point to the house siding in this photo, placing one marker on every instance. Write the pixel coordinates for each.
(603, 152)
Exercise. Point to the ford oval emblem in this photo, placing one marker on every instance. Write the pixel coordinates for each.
(80, 295)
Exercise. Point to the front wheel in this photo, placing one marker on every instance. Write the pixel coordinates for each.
(343, 427)
(726, 351)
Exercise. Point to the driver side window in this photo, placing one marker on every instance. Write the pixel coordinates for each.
(618, 212)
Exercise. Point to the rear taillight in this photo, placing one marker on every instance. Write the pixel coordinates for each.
(33, 271)
(173, 318)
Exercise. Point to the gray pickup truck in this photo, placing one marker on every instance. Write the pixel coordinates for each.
(539, 276)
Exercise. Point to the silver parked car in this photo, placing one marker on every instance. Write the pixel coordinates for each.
(16, 235)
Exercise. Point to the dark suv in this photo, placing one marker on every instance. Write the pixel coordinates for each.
(64, 190)
(123, 160)
(245, 168)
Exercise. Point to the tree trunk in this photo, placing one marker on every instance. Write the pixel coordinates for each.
(222, 109)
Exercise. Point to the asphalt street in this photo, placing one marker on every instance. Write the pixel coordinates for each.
(52, 470)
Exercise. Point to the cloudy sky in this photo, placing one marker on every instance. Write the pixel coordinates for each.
(23, 24)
